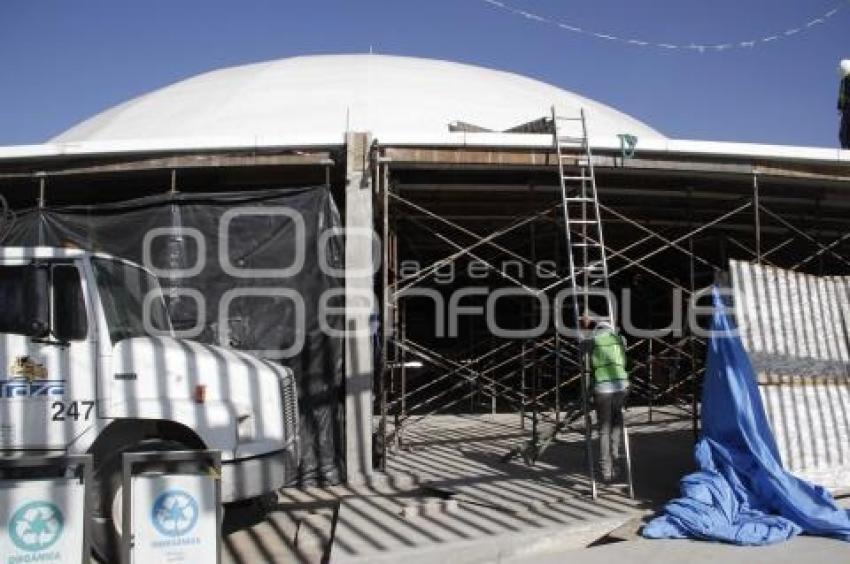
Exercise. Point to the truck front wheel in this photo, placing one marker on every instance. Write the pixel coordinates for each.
(107, 493)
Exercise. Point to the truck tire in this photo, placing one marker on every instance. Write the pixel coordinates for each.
(107, 491)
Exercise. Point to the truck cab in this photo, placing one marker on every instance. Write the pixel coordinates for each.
(89, 363)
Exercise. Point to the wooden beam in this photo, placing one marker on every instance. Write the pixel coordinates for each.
(479, 159)
(180, 162)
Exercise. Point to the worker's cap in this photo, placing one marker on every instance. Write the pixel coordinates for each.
(844, 67)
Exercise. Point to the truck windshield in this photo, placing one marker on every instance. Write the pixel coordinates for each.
(132, 300)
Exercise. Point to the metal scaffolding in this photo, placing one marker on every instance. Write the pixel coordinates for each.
(461, 367)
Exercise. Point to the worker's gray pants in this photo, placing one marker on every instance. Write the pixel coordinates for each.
(609, 415)
(844, 134)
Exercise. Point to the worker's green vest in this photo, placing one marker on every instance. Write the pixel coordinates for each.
(608, 359)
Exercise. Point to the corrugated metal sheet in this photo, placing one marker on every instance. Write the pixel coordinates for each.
(796, 329)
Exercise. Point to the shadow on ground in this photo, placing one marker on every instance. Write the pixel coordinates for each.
(447, 495)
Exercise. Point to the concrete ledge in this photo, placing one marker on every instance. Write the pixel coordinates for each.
(376, 531)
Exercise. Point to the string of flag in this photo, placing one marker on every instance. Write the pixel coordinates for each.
(696, 47)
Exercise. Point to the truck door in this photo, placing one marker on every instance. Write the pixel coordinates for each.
(47, 356)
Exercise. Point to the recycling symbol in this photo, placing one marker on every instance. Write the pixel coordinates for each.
(174, 513)
(36, 526)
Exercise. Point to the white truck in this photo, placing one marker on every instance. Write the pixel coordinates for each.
(89, 364)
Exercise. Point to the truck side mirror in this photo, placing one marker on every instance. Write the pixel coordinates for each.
(38, 304)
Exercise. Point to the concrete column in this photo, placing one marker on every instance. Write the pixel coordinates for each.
(359, 303)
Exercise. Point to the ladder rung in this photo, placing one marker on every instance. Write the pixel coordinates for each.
(578, 160)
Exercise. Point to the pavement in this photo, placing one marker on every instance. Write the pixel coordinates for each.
(448, 496)
(801, 550)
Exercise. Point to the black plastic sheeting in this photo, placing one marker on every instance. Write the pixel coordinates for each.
(261, 236)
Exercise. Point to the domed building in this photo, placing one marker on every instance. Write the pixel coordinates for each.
(463, 173)
(316, 99)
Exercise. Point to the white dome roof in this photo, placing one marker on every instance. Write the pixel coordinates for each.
(321, 97)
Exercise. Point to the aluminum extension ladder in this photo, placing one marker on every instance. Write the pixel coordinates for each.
(588, 264)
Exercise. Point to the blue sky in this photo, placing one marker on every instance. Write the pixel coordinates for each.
(62, 61)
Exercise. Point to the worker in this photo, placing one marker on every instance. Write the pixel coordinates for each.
(844, 103)
(605, 351)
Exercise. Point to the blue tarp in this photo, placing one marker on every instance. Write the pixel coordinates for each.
(741, 493)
